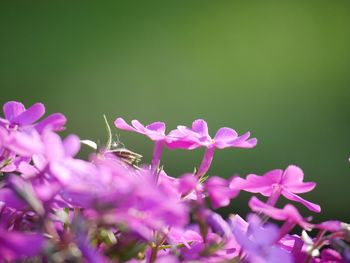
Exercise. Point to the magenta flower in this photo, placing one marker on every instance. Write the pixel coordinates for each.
(56, 159)
(218, 224)
(198, 136)
(258, 243)
(18, 117)
(277, 182)
(18, 245)
(219, 192)
(289, 214)
(17, 147)
(155, 131)
(331, 225)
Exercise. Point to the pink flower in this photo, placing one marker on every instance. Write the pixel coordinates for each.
(17, 147)
(331, 225)
(220, 194)
(18, 117)
(289, 214)
(198, 136)
(56, 158)
(155, 131)
(258, 243)
(19, 245)
(277, 182)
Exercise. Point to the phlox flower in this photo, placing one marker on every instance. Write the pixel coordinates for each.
(198, 136)
(288, 213)
(219, 192)
(277, 182)
(258, 243)
(17, 147)
(155, 131)
(55, 158)
(123, 196)
(15, 245)
(17, 117)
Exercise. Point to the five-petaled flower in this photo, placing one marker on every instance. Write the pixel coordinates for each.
(18, 117)
(277, 182)
(198, 136)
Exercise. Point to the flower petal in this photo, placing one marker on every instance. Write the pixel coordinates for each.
(201, 127)
(71, 145)
(262, 184)
(293, 174)
(12, 109)
(291, 196)
(157, 127)
(53, 146)
(32, 114)
(55, 122)
(224, 136)
(16, 245)
(120, 123)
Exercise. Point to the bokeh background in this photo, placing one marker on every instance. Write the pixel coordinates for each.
(280, 69)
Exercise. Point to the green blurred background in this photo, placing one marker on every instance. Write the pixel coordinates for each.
(277, 68)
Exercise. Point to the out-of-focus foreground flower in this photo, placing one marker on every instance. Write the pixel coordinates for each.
(56, 207)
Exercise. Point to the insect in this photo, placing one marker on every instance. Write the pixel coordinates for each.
(127, 156)
(114, 148)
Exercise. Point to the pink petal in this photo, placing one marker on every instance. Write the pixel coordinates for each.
(71, 145)
(219, 191)
(293, 178)
(55, 122)
(185, 138)
(223, 136)
(237, 183)
(301, 187)
(17, 245)
(258, 206)
(262, 184)
(293, 174)
(12, 109)
(201, 127)
(242, 141)
(331, 225)
(25, 143)
(139, 126)
(32, 114)
(53, 146)
(311, 206)
(61, 172)
(187, 183)
(120, 123)
(288, 213)
(27, 170)
(11, 199)
(39, 161)
(157, 127)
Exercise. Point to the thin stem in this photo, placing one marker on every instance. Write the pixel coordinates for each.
(285, 229)
(206, 162)
(275, 195)
(157, 154)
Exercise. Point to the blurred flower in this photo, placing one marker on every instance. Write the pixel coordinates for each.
(18, 117)
(219, 192)
(258, 243)
(289, 214)
(16, 245)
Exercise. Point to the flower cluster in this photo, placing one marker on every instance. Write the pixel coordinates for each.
(56, 207)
